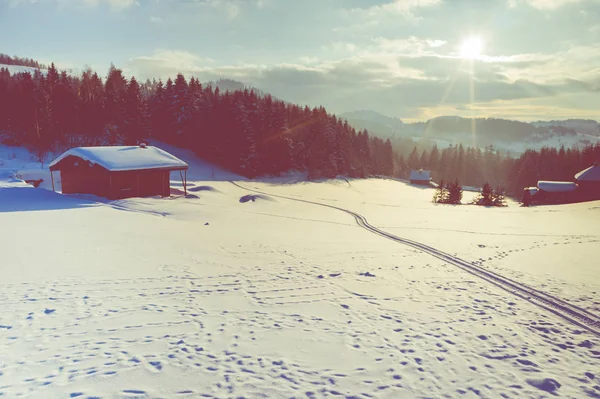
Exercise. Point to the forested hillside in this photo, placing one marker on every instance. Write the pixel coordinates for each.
(18, 61)
(241, 130)
(245, 130)
(474, 167)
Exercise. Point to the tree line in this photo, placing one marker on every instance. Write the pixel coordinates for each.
(246, 131)
(27, 62)
(242, 130)
(476, 167)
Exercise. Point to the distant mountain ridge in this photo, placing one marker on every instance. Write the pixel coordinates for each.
(510, 135)
(234, 85)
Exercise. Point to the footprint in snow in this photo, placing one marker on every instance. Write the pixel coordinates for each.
(546, 384)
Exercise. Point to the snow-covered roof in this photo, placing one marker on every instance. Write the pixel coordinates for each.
(557, 186)
(590, 174)
(532, 190)
(122, 158)
(420, 175)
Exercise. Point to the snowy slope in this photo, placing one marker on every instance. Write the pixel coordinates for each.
(516, 147)
(19, 162)
(222, 296)
(14, 69)
(577, 140)
(571, 133)
(589, 127)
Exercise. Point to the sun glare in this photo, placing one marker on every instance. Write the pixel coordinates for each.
(471, 47)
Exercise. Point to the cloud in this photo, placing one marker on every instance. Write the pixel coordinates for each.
(231, 8)
(412, 45)
(167, 63)
(398, 6)
(403, 77)
(545, 4)
(115, 5)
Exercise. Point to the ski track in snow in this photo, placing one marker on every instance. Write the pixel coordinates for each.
(222, 299)
(561, 308)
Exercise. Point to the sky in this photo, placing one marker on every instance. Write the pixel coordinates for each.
(411, 59)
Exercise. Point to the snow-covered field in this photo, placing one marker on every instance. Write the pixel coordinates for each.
(229, 293)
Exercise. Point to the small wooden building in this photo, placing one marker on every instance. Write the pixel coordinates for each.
(556, 192)
(118, 172)
(586, 187)
(588, 181)
(420, 177)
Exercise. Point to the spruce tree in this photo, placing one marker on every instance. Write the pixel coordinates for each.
(441, 195)
(499, 198)
(455, 193)
(413, 159)
(134, 124)
(487, 195)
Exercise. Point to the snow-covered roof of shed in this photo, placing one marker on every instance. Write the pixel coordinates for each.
(590, 174)
(557, 186)
(420, 175)
(532, 190)
(122, 158)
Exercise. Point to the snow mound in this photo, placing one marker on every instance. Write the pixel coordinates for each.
(202, 188)
(254, 197)
(121, 158)
(546, 384)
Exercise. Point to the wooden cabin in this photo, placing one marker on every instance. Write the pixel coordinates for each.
(420, 177)
(554, 192)
(118, 172)
(585, 187)
(588, 181)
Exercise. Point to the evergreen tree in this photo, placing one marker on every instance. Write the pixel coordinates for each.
(413, 160)
(499, 198)
(115, 88)
(433, 159)
(442, 194)
(455, 192)
(134, 124)
(486, 197)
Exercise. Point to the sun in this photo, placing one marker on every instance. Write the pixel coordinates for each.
(471, 48)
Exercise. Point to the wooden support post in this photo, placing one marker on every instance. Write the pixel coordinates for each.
(138, 182)
(182, 181)
(167, 189)
(185, 181)
(52, 177)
